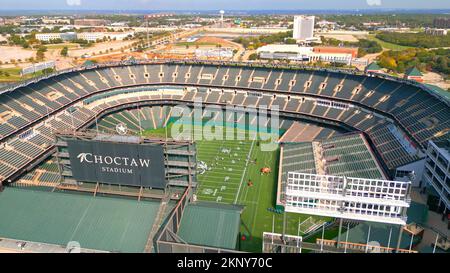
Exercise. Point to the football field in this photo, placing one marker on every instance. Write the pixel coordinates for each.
(223, 167)
(229, 172)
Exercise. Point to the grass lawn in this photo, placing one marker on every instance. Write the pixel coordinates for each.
(13, 75)
(257, 199)
(226, 180)
(328, 234)
(387, 45)
(61, 46)
(193, 44)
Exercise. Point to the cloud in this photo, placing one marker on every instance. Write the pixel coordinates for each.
(374, 2)
(73, 2)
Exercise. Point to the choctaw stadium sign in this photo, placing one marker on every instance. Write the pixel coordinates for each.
(117, 163)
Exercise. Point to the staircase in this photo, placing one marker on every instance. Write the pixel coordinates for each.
(316, 226)
(149, 247)
(317, 151)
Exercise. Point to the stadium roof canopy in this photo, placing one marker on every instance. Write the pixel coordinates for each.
(100, 223)
(439, 91)
(211, 225)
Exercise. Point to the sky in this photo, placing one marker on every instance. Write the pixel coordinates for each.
(220, 4)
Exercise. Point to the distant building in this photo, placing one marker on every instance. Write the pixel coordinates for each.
(68, 36)
(332, 50)
(394, 29)
(12, 21)
(285, 52)
(301, 53)
(53, 21)
(341, 58)
(94, 36)
(374, 68)
(303, 27)
(64, 28)
(158, 15)
(326, 25)
(441, 23)
(119, 24)
(214, 53)
(414, 74)
(372, 24)
(436, 31)
(91, 22)
(46, 37)
(192, 25)
(2, 21)
(89, 36)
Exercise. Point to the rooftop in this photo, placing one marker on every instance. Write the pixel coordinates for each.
(102, 223)
(439, 91)
(211, 225)
(413, 72)
(272, 48)
(417, 213)
(373, 66)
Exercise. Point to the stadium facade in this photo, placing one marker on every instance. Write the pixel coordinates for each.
(397, 116)
(391, 119)
(437, 174)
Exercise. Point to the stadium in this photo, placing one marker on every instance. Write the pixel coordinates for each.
(362, 130)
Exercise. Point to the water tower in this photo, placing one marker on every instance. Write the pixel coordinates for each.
(222, 12)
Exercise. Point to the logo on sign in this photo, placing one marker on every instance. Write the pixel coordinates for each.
(119, 163)
(121, 129)
(82, 157)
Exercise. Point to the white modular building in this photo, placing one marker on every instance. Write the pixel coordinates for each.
(301, 53)
(89, 36)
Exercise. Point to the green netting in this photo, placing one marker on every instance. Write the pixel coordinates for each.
(215, 226)
(378, 233)
(417, 213)
(101, 223)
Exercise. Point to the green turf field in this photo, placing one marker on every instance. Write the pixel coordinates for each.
(14, 74)
(226, 163)
(230, 166)
(61, 46)
(386, 45)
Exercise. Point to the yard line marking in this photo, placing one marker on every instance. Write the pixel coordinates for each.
(245, 169)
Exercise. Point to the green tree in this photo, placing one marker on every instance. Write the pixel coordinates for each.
(40, 54)
(253, 57)
(65, 51)
(422, 40)
(290, 41)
